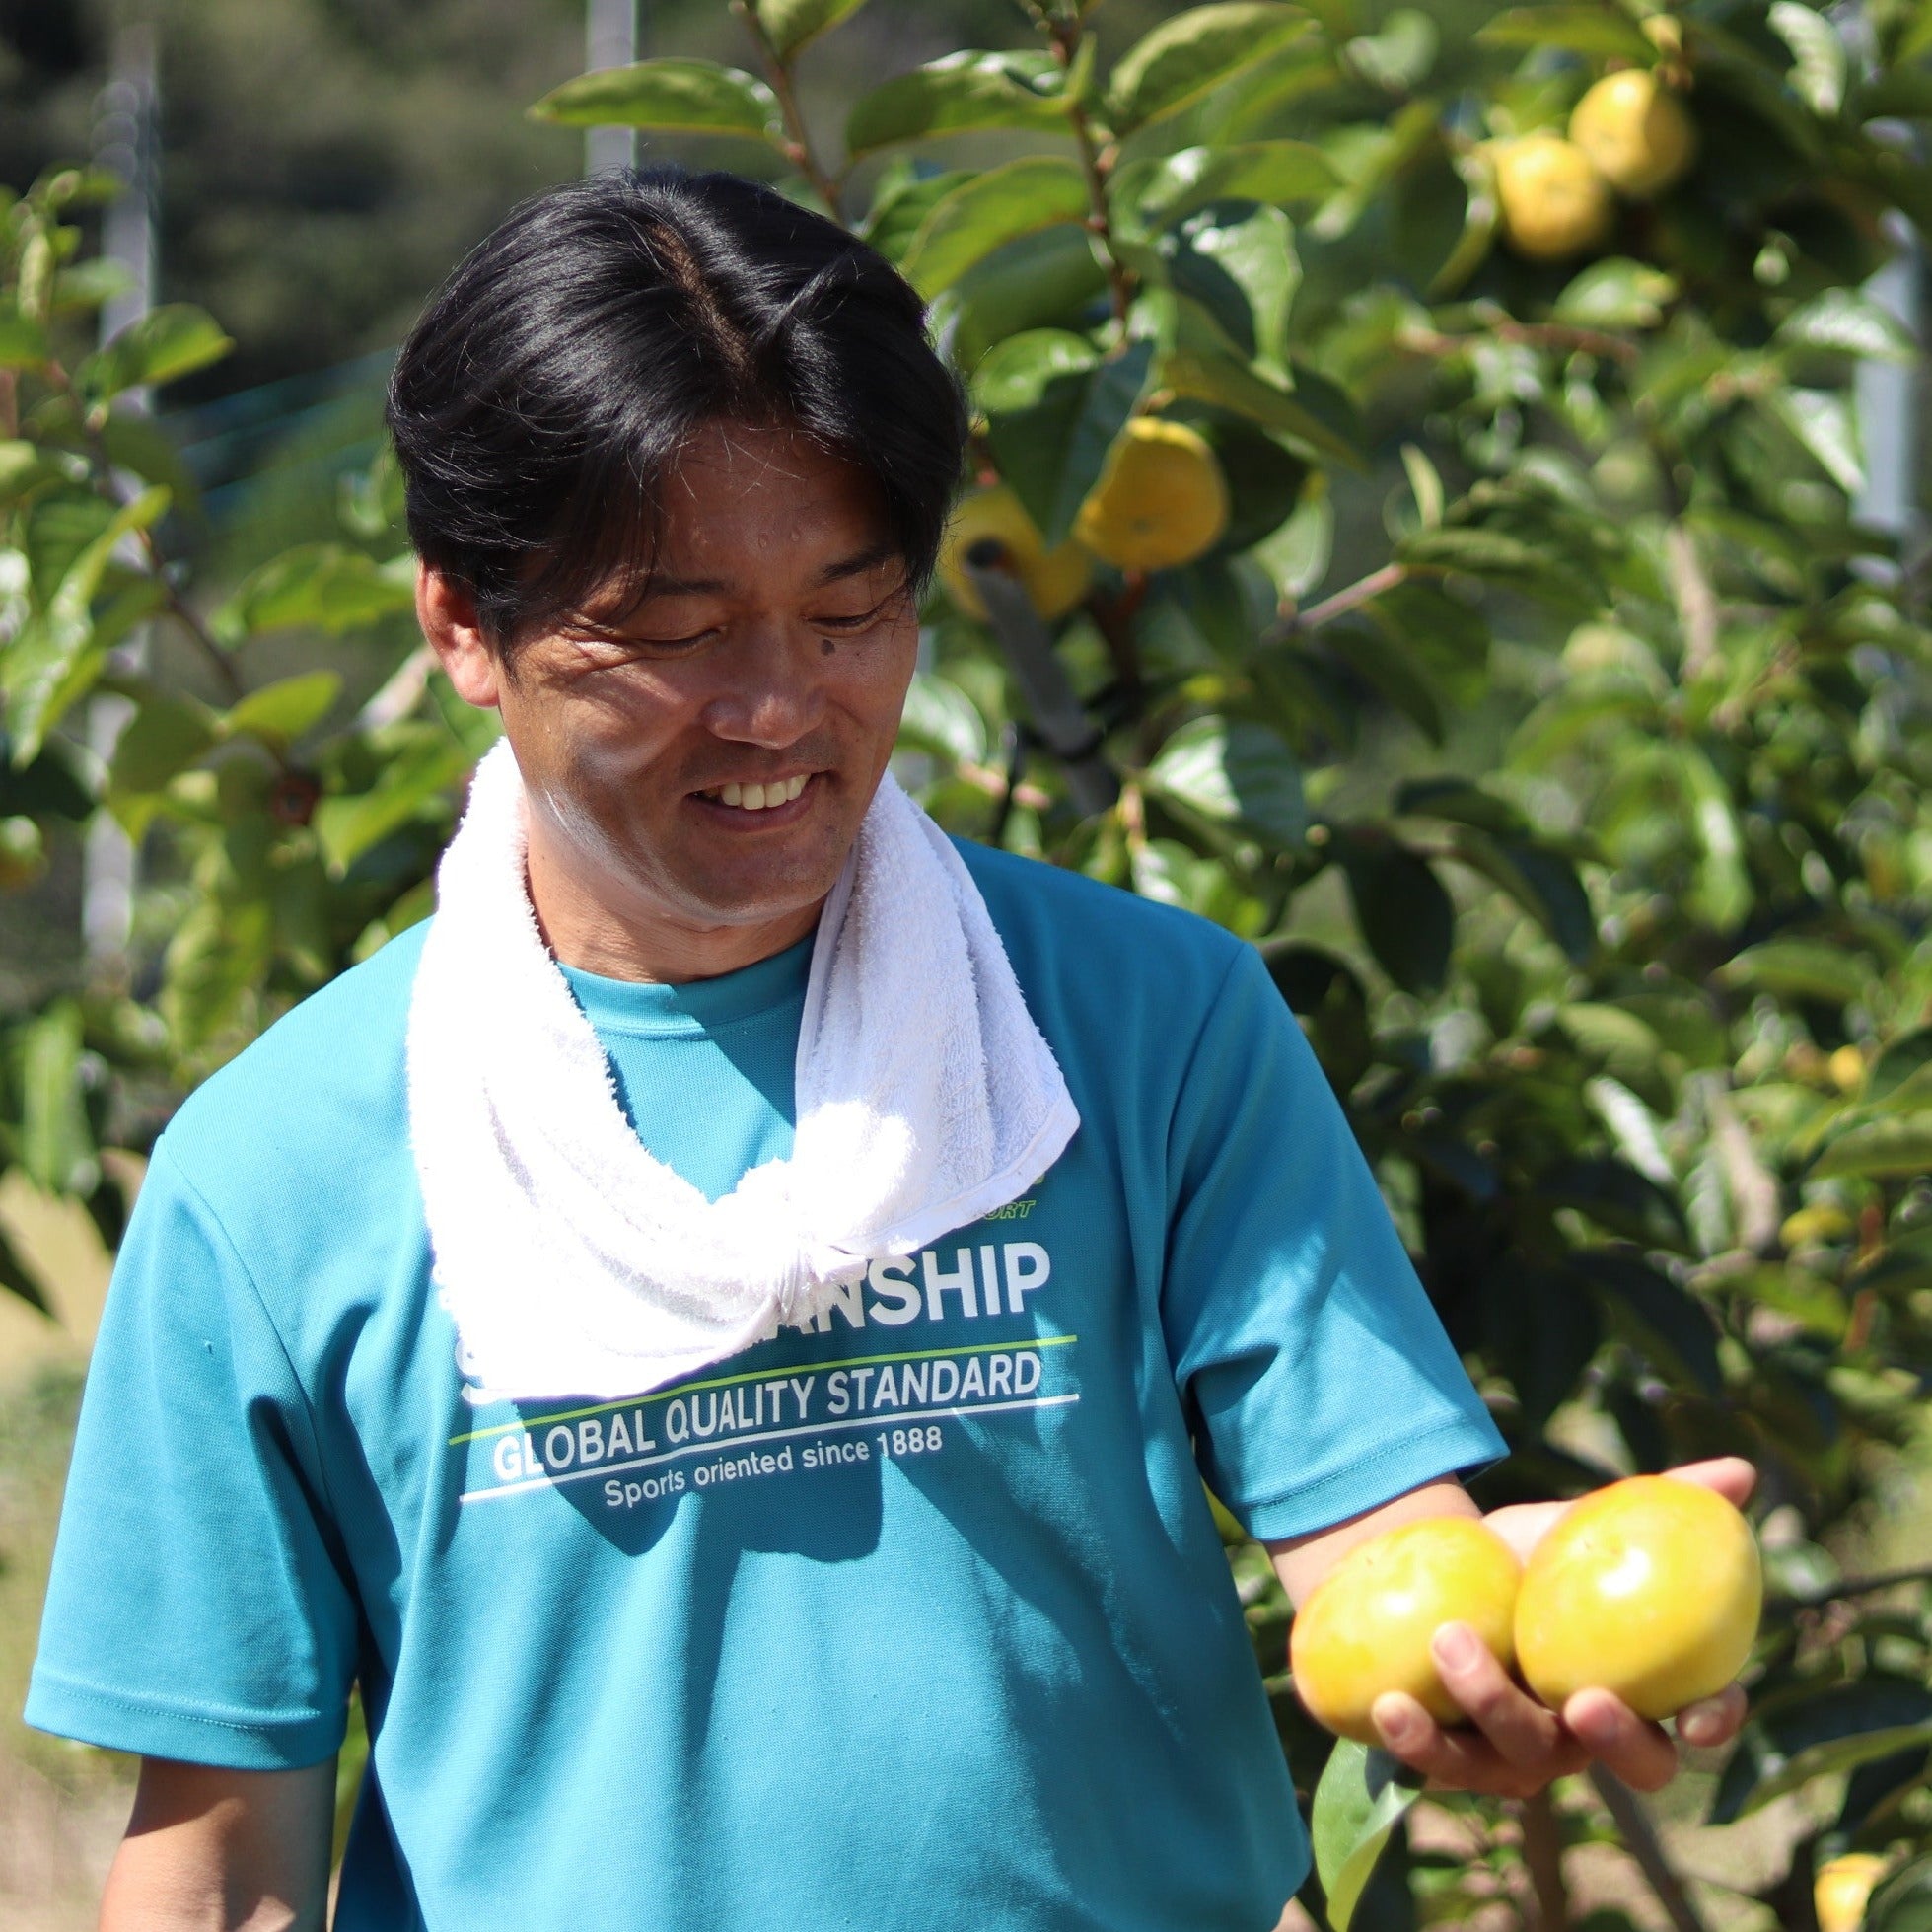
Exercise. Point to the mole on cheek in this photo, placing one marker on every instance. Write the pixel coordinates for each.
(826, 646)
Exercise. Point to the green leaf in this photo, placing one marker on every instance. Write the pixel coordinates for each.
(1229, 383)
(1661, 1321)
(165, 736)
(1818, 71)
(420, 772)
(1543, 881)
(989, 210)
(1238, 260)
(1234, 771)
(1904, 1902)
(789, 24)
(1795, 1739)
(1901, 1060)
(23, 342)
(1617, 293)
(1880, 1147)
(279, 713)
(674, 97)
(1359, 1802)
(56, 1146)
(1604, 30)
(1398, 55)
(1799, 968)
(940, 718)
(174, 339)
(900, 209)
(1406, 917)
(1826, 422)
(56, 655)
(1194, 54)
(319, 585)
(1053, 415)
(1722, 895)
(219, 954)
(1849, 322)
(963, 91)
(1157, 192)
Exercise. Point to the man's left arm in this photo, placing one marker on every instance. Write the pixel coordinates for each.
(1513, 1746)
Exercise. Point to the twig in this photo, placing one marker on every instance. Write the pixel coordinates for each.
(798, 146)
(101, 469)
(1640, 1838)
(1696, 602)
(1534, 335)
(1860, 1586)
(185, 615)
(1351, 598)
(1093, 165)
(1543, 1859)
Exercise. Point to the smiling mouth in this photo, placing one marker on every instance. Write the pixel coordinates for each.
(759, 797)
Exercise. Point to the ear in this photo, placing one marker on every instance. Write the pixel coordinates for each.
(447, 613)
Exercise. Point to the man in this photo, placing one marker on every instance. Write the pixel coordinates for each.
(720, 1337)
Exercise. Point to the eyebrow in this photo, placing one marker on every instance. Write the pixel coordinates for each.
(856, 565)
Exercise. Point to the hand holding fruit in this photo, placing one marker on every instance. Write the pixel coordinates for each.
(1648, 1589)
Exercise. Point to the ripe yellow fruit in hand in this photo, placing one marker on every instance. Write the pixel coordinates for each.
(1161, 501)
(1055, 580)
(1366, 1630)
(1650, 1588)
(1553, 201)
(1842, 1889)
(1636, 132)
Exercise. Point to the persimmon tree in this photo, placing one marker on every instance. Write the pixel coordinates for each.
(1538, 704)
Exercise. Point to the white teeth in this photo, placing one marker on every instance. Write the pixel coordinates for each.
(760, 798)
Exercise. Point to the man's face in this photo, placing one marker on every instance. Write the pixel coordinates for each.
(770, 657)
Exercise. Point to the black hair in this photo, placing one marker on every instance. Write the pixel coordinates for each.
(554, 378)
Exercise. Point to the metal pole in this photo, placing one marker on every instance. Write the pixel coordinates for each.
(609, 41)
(1887, 412)
(125, 143)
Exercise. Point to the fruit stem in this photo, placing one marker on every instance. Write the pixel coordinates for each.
(1640, 1838)
(1542, 1858)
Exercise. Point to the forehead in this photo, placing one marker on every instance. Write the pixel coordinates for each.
(743, 500)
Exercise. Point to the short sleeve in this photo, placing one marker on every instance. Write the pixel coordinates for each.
(1316, 1377)
(198, 1607)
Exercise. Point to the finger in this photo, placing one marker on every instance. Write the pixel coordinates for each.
(1713, 1721)
(1730, 1475)
(1520, 1728)
(1458, 1759)
(1641, 1754)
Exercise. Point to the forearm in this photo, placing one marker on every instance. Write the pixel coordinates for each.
(210, 1850)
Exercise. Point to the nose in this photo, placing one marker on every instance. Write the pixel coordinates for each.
(772, 690)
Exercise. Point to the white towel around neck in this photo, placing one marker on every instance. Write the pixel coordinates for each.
(571, 1259)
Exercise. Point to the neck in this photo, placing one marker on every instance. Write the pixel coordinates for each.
(598, 931)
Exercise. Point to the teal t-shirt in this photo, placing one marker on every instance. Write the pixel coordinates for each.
(917, 1619)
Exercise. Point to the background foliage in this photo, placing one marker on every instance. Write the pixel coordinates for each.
(1544, 713)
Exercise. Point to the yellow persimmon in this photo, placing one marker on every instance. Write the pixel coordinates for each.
(1650, 1588)
(1366, 1628)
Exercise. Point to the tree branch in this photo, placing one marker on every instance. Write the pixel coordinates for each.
(1640, 1838)
(1351, 598)
(1542, 1858)
(798, 146)
(1093, 165)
